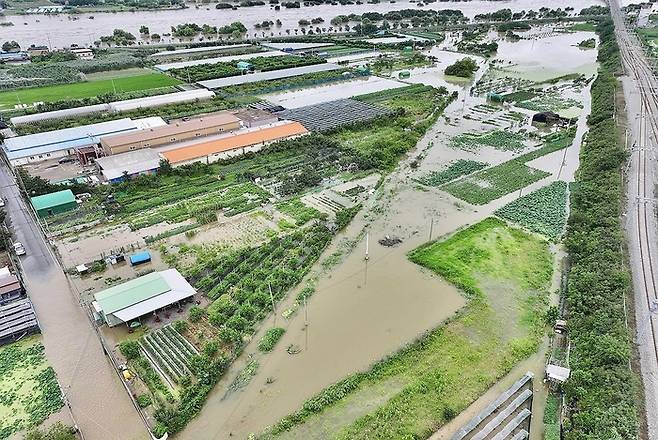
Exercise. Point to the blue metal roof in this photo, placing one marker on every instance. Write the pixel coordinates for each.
(140, 257)
(67, 138)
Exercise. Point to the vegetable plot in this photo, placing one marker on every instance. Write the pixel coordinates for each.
(456, 169)
(498, 139)
(29, 391)
(170, 351)
(298, 211)
(543, 211)
(495, 182)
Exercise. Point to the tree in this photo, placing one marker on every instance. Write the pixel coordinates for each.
(463, 68)
(10, 46)
(144, 30)
(56, 432)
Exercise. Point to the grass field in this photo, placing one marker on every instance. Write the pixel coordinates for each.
(86, 89)
(505, 273)
(28, 387)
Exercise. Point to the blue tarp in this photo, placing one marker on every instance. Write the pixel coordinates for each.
(139, 258)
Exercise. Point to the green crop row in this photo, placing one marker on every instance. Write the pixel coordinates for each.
(221, 70)
(298, 211)
(498, 139)
(270, 339)
(543, 211)
(455, 170)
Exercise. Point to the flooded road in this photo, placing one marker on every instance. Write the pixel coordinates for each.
(59, 31)
(100, 405)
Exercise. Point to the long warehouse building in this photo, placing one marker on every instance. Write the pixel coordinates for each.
(167, 134)
(38, 147)
(233, 144)
(117, 106)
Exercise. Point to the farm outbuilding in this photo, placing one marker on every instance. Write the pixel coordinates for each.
(38, 147)
(17, 320)
(141, 296)
(131, 164)
(233, 144)
(54, 203)
(10, 287)
(170, 133)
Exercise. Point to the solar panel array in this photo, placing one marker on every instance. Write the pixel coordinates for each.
(334, 114)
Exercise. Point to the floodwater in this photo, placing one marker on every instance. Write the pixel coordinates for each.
(332, 92)
(363, 311)
(550, 57)
(61, 30)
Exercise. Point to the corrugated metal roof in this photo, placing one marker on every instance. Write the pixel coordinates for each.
(224, 59)
(240, 139)
(144, 295)
(209, 121)
(53, 199)
(132, 162)
(64, 139)
(131, 292)
(267, 76)
(296, 46)
(17, 317)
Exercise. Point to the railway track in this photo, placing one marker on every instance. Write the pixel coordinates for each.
(643, 230)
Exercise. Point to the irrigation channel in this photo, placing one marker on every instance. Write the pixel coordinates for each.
(642, 108)
(366, 309)
(63, 30)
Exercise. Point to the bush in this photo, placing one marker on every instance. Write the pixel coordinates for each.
(211, 348)
(270, 339)
(180, 326)
(144, 400)
(129, 349)
(464, 68)
(196, 313)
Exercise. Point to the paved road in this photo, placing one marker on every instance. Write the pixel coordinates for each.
(641, 227)
(99, 403)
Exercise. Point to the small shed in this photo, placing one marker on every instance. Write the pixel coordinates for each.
(140, 258)
(54, 203)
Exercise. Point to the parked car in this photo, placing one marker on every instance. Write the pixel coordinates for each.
(19, 249)
(67, 159)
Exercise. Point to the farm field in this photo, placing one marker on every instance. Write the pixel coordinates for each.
(506, 283)
(86, 89)
(543, 211)
(492, 183)
(28, 386)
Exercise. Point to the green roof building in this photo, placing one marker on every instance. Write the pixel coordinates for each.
(141, 296)
(54, 203)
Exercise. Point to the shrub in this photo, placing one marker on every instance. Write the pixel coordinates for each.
(129, 349)
(196, 313)
(180, 326)
(464, 68)
(144, 400)
(211, 348)
(270, 339)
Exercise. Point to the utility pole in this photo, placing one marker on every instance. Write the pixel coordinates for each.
(431, 227)
(367, 245)
(272, 299)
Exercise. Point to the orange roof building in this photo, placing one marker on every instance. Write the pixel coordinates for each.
(234, 144)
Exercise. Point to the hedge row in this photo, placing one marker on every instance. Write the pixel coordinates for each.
(602, 389)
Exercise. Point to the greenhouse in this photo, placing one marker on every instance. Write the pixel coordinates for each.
(267, 76)
(334, 114)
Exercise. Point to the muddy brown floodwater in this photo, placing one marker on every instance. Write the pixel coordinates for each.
(63, 30)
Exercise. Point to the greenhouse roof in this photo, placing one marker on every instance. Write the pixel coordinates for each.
(53, 199)
(198, 49)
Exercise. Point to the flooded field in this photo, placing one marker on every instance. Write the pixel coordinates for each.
(63, 30)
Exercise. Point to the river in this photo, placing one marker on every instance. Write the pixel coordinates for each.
(58, 31)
